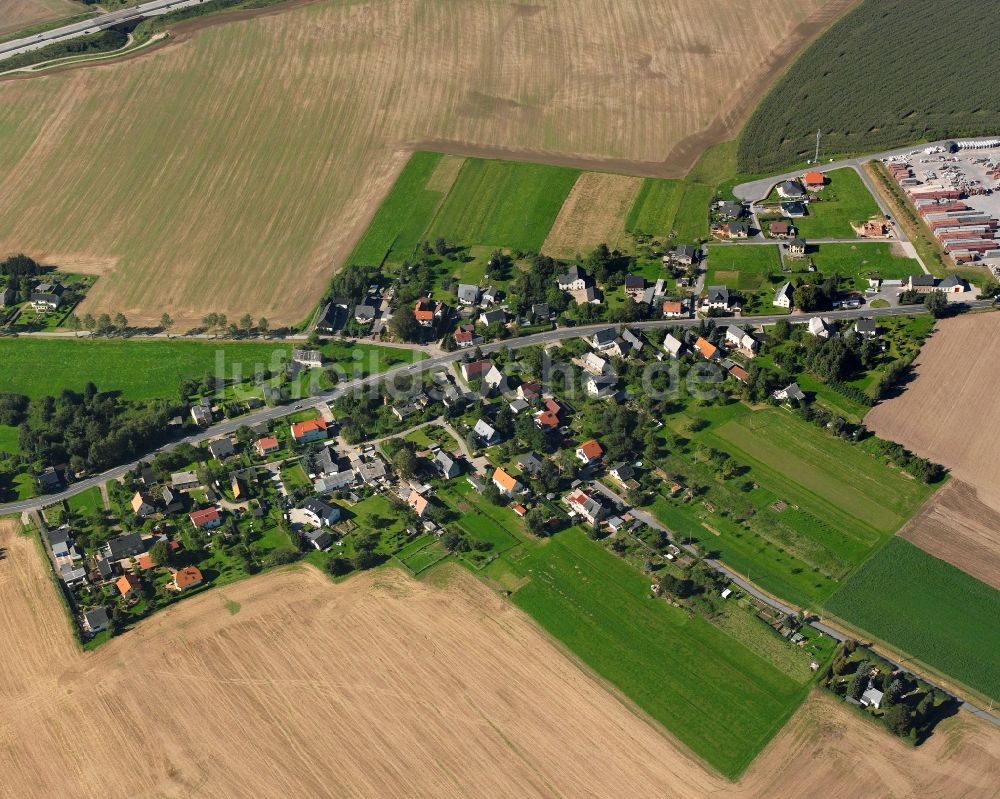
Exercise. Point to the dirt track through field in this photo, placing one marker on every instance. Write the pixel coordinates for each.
(381, 687)
(232, 169)
(949, 413)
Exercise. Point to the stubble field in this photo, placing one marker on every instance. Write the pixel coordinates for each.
(384, 686)
(594, 213)
(949, 413)
(311, 113)
(16, 15)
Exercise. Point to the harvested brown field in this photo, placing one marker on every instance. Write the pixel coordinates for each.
(382, 686)
(15, 15)
(594, 212)
(232, 169)
(957, 527)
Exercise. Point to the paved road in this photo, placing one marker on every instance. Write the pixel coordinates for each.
(92, 25)
(269, 414)
(755, 592)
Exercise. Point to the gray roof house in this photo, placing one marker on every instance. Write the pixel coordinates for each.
(221, 448)
(320, 539)
(468, 294)
(485, 431)
(126, 545)
(447, 465)
(319, 513)
(603, 339)
(783, 296)
(495, 317)
(790, 392)
(530, 463)
(791, 189)
(95, 620)
(717, 297)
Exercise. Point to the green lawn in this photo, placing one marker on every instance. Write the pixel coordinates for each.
(844, 199)
(88, 501)
(930, 610)
(399, 224)
(9, 439)
(857, 261)
(715, 695)
(503, 204)
(145, 369)
(691, 221)
(742, 267)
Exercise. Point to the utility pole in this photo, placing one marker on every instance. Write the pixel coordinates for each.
(816, 160)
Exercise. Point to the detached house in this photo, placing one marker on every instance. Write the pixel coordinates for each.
(318, 513)
(635, 286)
(784, 296)
(475, 370)
(716, 297)
(589, 452)
(506, 484)
(265, 446)
(791, 392)
(582, 504)
(495, 317)
(310, 430)
(446, 465)
(485, 432)
(188, 577)
(741, 340)
(603, 339)
(575, 279)
(143, 505)
(468, 294)
(426, 311)
(675, 309)
(206, 519)
(673, 345)
(706, 349)
(46, 297)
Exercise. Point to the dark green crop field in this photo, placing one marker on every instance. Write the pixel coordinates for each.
(930, 610)
(889, 73)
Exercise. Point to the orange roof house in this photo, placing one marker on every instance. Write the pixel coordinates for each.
(546, 420)
(739, 373)
(520, 510)
(814, 180)
(145, 561)
(706, 349)
(309, 430)
(507, 484)
(267, 445)
(188, 577)
(126, 584)
(589, 451)
(417, 502)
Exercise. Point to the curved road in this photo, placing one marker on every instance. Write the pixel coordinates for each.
(92, 25)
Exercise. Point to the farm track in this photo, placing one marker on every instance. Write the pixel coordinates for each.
(251, 214)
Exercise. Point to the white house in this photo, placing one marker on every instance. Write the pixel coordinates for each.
(318, 513)
(594, 364)
(821, 328)
(673, 346)
(783, 297)
(741, 340)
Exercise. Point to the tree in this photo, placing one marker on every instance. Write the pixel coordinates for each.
(166, 323)
(937, 304)
(121, 323)
(89, 322)
(159, 553)
(405, 462)
(859, 682)
(210, 320)
(263, 325)
(404, 325)
(368, 559)
(103, 323)
(897, 719)
(246, 323)
(535, 521)
(338, 567)
(73, 323)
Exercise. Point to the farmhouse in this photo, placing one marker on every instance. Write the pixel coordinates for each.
(872, 697)
(311, 359)
(182, 481)
(589, 452)
(310, 430)
(594, 364)
(506, 484)
(188, 577)
(206, 519)
(46, 297)
(738, 229)
(784, 296)
(601, 386)
(127, 545)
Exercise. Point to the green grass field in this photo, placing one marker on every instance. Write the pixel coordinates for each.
(399, 224)
(715, 695)
(844, 199)
(503, 204)
(930, 610)
(839, 502)
(743, 267)
(88, 501)
(655, 207)
(144, 369)
(9, 439)
(857, 261)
